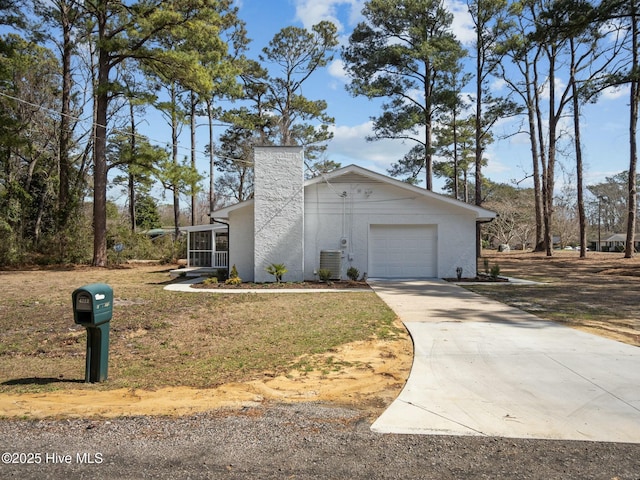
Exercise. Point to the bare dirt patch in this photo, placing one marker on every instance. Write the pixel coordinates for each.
(367, 375)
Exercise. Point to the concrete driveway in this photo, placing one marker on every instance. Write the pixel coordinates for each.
(483, 368)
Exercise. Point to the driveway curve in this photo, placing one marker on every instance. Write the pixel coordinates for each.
(484, 368)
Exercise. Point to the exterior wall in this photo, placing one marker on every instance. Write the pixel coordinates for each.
(346, 211)
(241, 242)
(279, 211)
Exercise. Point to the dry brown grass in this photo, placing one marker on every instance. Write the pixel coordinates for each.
(160, 338)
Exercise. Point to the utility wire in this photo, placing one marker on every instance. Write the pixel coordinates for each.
(115, 130)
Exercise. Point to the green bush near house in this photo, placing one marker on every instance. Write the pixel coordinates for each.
(324, 274)
(233, 279)
(277, 270)
(495, 271)
(353, 273)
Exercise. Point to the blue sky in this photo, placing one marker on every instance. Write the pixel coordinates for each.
(605, 125)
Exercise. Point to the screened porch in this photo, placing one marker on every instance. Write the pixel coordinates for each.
(208, 246)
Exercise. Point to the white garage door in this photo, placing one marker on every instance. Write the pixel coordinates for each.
(402, 251)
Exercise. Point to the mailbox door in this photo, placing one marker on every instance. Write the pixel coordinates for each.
(93, 304)
(102, 305)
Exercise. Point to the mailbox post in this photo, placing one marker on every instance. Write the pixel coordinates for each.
(93, 309)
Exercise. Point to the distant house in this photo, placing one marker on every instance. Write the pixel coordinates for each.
(351, 217)
(616, 243)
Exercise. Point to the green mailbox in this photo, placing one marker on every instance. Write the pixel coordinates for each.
(93, 309)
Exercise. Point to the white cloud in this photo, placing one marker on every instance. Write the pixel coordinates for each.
(343, 13)
(498, 85)
(349, 145)
(560, 85)
(494, 167)
(347, 13)
(462, 24)
(336, 70)
(613, 93)
(355, 15)
(310, 12)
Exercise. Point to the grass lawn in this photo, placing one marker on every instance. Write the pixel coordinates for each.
(160, 338)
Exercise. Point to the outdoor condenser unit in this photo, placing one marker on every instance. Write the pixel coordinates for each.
(331, 260)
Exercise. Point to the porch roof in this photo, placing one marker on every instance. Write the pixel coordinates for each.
(204, 228)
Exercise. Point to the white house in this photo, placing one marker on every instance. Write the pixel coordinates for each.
(351, 217)
(616, 243)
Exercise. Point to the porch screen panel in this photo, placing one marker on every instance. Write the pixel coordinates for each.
(200, 249)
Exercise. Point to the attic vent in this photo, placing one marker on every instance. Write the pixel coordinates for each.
(331, 260)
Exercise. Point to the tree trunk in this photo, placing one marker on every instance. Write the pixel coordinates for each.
(535, 160)
(211, 160)
(193, 154)
(633, 145)
(542, 161)
(174, 146)
(65, 129)
(100, 151)
(428, 160)
(455, 154)
(478, 119)
(549, 179)
(132, 183)
(578, 150)
(478, 135)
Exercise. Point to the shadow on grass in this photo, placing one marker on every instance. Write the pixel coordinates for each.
(40, 381)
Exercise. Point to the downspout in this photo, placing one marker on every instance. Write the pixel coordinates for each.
(479, 240)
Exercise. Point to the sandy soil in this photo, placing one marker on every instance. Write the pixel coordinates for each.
(379, 371)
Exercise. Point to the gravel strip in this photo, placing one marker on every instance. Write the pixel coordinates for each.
(301, 441)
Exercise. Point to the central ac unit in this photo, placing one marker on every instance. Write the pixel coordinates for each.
(331, 260)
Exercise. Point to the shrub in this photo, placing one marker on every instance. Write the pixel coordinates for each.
(210, 281)
(233, 279)
(234, 272)
(495, 271)
(353, 273)
(324, 274)
(277, 270)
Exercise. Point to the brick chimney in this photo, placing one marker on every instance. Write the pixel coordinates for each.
(278, 211)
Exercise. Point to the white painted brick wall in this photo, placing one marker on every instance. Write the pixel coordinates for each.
(279, 211)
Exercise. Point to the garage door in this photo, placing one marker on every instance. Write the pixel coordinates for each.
(402, 251)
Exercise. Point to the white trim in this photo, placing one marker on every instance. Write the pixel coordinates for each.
(205, 227)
